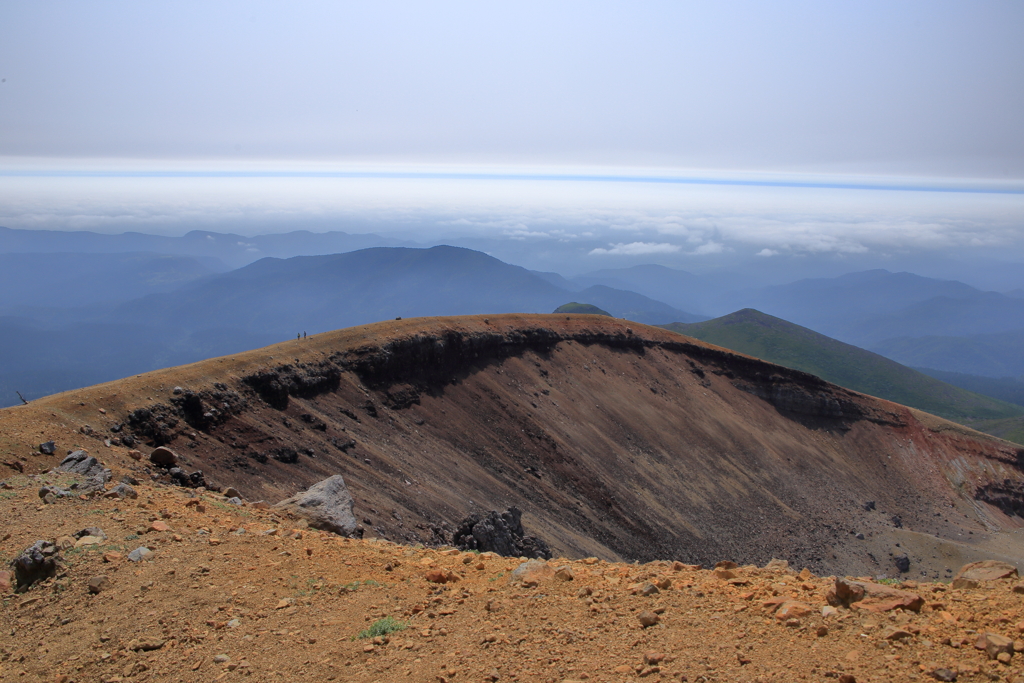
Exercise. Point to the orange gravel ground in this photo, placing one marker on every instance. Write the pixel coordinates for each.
(245, 593)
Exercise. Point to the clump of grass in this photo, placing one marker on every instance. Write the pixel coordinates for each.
(382, 627)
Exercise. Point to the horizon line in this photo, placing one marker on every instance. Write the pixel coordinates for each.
(916, 185)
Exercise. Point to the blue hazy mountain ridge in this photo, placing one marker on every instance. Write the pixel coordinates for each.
(233, 250)
(1009, 389)
(988, 355)
(319, 293)
(273, 299)
(41, 360)
(675, 287)
(62, 280)
(869, 307)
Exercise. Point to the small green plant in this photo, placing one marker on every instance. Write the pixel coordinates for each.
(382, 627)
(890, 582)
(356, 585)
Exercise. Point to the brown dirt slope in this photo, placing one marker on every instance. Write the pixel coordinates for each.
(617, 440)
(236, 593)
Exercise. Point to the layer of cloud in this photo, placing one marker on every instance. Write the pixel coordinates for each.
(614, 220)
(636, 249)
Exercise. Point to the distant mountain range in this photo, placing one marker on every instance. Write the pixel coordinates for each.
(267, 301)
(81, 307)
(770, 338)
(870, 307)
(233, 250)
(1000, 354)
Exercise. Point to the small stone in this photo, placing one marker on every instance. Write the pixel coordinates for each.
(122, 491)
(649, 589)
(994, 644)
(436, 576)
(1004, 657)
(146, 644)
(976, 573)
(532, 572)
(233, 623)
(221, 659)
(648, 618)
(285, 602)
(230, 492)
(85, 541)
(65, 542)
(822, 631)
(897, 634)
(135, 454)
(944, 675)
(98, 584)
(828, 611)
(651, 658)
(564, 574)
(158, 525)
(847, 678)
(91, 531)
(112, 556)
(139, 554)
(48, 448)
(725, 574)
(793, 609)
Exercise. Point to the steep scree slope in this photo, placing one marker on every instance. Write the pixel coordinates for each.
(616, 440)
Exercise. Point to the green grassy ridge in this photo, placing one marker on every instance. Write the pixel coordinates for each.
(1010, 428)
(778, 341)
(574, 307)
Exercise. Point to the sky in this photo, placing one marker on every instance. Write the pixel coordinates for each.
(667, 131)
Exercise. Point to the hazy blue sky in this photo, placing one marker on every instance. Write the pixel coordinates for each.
(882, 93)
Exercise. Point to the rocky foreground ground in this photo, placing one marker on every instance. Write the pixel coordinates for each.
(186, 585)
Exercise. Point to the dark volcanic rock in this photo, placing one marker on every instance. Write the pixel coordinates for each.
(47, 448)
(37, 562)
(500, 533)
(82, 463)
(180, 477)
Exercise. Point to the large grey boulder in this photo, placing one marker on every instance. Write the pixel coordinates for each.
(326, 505)
(82, 463)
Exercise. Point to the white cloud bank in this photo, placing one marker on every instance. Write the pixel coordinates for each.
(636, 249)
(608, 218)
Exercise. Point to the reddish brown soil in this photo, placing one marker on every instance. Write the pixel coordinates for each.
(617, 440)
(290, 606)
